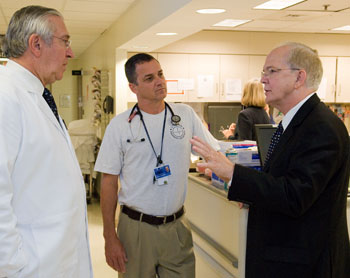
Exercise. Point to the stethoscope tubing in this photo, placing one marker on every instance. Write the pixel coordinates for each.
(175, 119)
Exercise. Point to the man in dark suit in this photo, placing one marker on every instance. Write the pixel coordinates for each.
(297, 216)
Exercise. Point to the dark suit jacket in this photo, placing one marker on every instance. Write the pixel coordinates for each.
(297, 216)
(247, 118)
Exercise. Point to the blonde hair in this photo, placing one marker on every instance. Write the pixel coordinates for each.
(253, 94)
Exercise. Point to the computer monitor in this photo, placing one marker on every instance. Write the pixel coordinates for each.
(222, 116)
(264, 134)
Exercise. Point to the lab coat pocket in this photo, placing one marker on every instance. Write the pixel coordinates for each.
(56, 238)
(16, 275)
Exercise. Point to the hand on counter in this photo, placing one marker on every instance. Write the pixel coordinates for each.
(230, 131)
(215, 161)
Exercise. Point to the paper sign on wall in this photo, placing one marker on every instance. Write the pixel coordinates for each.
(233, 89)
(205, 85)
(178, 86)
(186, 84)
(173, 87)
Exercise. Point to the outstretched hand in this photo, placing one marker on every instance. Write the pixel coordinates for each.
(215, 161)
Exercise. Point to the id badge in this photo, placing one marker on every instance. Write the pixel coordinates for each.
(161, 174)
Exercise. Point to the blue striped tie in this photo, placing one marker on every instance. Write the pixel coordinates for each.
(274, 141)
(51, 102)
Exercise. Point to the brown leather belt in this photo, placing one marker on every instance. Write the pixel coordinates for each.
(150, 219)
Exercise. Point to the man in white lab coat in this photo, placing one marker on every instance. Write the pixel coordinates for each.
(43, 224)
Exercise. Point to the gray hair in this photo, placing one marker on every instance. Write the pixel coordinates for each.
(303, 57)
(25, 22)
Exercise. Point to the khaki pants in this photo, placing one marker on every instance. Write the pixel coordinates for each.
(165, 250)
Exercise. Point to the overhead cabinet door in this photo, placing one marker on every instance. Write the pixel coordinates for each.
(343, 80)
(204, 69)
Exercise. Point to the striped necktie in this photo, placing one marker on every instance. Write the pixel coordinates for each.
(51, 102)
(274, 141)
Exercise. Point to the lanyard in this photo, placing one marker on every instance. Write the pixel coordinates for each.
(158, 157)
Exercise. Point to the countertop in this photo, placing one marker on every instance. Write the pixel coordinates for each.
(206, 182)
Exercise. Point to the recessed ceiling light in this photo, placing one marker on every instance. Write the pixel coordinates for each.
(166, 34)
(231, 22)
(211, 11)
(342, 28)
(278, 4)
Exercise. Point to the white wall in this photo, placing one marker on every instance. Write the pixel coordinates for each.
(138, 18)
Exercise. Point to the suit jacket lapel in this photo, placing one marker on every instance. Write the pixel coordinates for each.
(297, 120)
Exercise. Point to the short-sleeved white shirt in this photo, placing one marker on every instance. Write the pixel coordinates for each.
(126, 151)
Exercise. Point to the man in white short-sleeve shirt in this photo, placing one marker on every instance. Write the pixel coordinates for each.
(148, 149)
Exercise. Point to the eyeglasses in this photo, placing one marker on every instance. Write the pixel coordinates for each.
(66, 41)
(271, 71)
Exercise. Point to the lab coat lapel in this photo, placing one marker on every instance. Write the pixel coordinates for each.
(45, 108)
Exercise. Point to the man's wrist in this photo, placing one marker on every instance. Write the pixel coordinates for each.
(230, 181)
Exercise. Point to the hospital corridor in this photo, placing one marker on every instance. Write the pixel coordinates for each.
(100, 267)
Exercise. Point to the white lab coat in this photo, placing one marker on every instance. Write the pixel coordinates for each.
(43, 223)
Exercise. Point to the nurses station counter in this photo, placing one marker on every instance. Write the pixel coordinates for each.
(219, 230)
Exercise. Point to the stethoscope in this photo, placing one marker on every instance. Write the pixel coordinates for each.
(175, 119)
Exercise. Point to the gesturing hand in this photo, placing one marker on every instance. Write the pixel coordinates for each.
(215, 161)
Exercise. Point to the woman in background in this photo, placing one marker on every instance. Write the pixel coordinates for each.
(253, 101)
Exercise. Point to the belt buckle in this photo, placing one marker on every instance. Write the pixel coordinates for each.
(164, 219)
(141, 216)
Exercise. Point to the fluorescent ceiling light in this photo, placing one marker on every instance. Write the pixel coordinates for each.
(211, 11)
(342, 28)
(231, 22)
(166, 34)
(278, 4)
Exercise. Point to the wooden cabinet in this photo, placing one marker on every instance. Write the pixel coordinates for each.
(214, 75)
(343, 83)
(175, 67)
(335, 80)
(204, 69)
(256, 65)
(327, 86)
(234, 72)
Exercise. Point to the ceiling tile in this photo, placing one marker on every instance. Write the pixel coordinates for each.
(115, 7)
(16, 5)
(86, 20)
(317, 5)
(90, 16)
